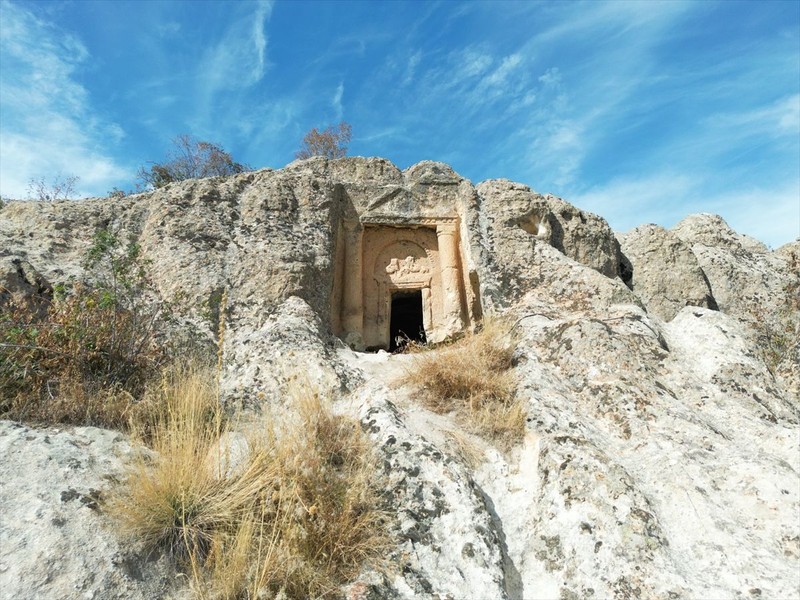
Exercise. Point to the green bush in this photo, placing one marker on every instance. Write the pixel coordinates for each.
(88, 359)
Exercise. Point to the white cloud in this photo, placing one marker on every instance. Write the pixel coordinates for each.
(47, 124)
(626, 202)
(472, 62)
(411, 67)
(336, 101)
(770, 213)
(239, 58)
(501, 74)
(578, 103)
(592, 18)
(263, 12)
(779, 118)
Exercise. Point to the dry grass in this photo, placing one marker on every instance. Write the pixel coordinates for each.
(466, 449)
(296, 513)
(473, 378)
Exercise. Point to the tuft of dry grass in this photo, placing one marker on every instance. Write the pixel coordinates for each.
(465, 448)
(296, 513)
(473, 378)
(170, 502)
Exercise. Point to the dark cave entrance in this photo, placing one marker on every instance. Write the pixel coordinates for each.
(406, 319)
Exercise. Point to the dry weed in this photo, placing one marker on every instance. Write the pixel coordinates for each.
(83, 360)
(465, 448)
(296, 514)
(473, 377)
(173, 502)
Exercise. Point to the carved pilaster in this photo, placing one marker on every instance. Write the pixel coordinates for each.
(447, 234)
(352, 298)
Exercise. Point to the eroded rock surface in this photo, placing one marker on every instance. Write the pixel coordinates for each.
(759, 287)
(662, 453)
(665, 272)
(511, 220)
(56, 539)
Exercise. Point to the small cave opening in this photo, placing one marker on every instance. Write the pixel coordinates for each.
(406, 324)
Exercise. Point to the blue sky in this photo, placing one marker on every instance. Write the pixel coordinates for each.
(639, 111)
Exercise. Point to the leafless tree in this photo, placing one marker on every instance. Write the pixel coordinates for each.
(58, 189)
(188, 159)
(331, 142)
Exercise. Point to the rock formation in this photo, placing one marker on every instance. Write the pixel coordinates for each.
(664, 272)
(662, 451)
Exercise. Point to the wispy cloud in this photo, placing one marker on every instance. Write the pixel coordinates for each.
(583, 101)
(776, 119)
(336, 101)
(47, 123)
(626, 202)
(642, 111)
(237, 61)
(411, 67)
(769, 212)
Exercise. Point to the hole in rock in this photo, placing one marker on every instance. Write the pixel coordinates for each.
(406, 319)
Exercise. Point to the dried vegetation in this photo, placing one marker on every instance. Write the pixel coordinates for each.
(84, 355)
(289, 508)
(472, 377)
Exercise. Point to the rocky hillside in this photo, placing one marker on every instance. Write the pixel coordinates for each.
(659, 369)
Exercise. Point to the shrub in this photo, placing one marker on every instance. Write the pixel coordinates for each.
(331, 142)
(58, 189)
(190, 158)
(89, 357)
(116, 193)
(472, 377)
(780, 341)
(295, 513)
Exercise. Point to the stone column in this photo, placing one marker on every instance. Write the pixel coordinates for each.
(352, 296)
(447, 235)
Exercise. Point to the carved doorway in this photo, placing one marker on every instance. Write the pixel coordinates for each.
(377, 261)
(406, 321)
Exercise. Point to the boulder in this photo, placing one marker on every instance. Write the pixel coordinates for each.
(511, 219)
(665, 273)
(57, 539)
(757, 286)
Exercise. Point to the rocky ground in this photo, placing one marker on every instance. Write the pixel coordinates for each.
(660, 370)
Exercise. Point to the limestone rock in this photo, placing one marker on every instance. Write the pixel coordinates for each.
(744, 275)
(260, 364)
(665, 271)
(661, 456)
(21, 284)
(56, 540)
(757, 286)
(511, 219)
(654, 457)
(448, 546)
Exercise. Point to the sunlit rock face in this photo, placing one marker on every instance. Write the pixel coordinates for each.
(665, 273)
(348, 236)
(659, 369)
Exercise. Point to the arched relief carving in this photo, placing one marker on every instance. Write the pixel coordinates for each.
(398, 258)
(403, 264)
(403, 261)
